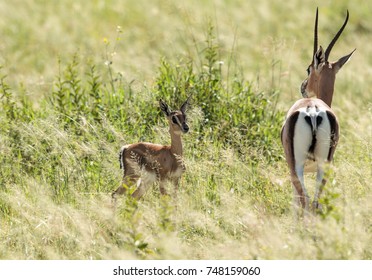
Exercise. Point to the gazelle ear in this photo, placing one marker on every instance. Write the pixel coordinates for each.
(164, 107)
(185, 105)
(319, 58)
(343, 60)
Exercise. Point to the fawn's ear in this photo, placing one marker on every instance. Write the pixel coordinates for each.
(185, 105)
(164, 107)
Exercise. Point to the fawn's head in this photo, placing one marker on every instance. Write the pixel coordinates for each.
(177, 118)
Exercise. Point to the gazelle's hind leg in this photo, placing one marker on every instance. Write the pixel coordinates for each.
(321, 152)
(320, 183)
(302, 142)
(300, 195)
(128, 181)
(147, 179)
(176, 184)
(162, 187)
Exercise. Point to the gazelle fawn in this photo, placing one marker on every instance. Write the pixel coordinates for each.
(145, 163)
(310, 132)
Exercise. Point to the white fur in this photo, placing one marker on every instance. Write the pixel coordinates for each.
(323, 136)
(301, 144)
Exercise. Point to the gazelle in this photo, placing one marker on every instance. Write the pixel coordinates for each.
(145, 163)
(310, 132)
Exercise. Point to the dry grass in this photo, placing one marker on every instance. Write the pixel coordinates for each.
(226, 209)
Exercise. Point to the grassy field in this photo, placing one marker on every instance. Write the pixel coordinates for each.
(79, 80)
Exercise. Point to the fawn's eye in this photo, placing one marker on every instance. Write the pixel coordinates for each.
(308, 71)
(174, 120)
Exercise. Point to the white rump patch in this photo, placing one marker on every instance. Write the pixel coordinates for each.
(323, 136)
(302, 139)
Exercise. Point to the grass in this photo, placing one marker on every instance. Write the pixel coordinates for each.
(73, 91)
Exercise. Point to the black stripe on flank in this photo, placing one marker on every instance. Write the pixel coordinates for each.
(292, 120)
(334, 130)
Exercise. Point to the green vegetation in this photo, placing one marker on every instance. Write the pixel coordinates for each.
(72, 92)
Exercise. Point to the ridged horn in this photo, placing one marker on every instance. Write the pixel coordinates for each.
(315, 34)
(330, 46)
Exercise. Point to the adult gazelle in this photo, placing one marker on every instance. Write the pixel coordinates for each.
(310, 132)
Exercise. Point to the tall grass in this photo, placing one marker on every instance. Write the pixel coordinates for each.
(59, 146)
